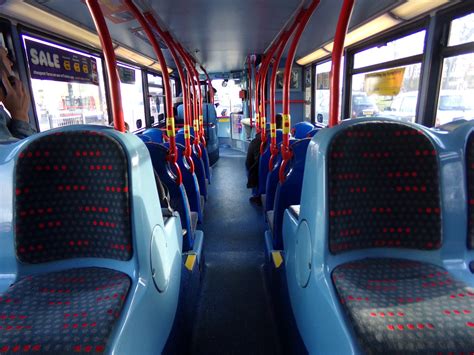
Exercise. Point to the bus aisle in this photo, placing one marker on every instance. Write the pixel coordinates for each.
(235, 313)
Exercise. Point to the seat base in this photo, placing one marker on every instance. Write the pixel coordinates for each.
(68, 311)
(403, 306)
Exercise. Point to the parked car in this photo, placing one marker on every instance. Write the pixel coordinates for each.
(452, 105)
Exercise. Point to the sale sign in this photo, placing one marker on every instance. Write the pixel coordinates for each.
(52, 63)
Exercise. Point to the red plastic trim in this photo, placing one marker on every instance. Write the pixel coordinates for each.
(110, 62)
(172, 152)
(339, 38)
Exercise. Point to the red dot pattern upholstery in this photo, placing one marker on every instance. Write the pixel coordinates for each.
(470, 189)
(383, 189)
(62, 312)
(72, 199)
(406, 307)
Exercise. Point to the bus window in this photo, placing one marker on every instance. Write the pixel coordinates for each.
(462, 30)
(391, 91)
(321, 102)
(132, 96)
(155, 90)
(68, 85)
(457, 81)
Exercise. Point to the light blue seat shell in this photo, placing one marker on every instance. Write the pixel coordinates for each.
(309, 264)
(156, 246)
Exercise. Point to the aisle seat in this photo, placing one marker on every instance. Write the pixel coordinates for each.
(301, 130)
(263, 162)
(210, 128)
(178, 197)
(78, 249)
(378, 281)
(199, 168)
(289, 192)
(272, 183)
(154, 134)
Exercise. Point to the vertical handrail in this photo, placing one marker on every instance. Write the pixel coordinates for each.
(263, 79)
(170, 123)
(196, 98)
(110, 62)
(257, 103)
(279, 53)
(285, 146)
(200, 102)
(170, 44)
(339, 38)
(249, 67)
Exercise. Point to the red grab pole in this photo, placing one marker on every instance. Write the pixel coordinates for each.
(110, 62)
(249, 67)
(169, 42)
(262, 81)
(285, 146)
(339, 38)
(173, 152)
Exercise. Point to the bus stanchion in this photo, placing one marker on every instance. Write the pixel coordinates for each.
(286, 153)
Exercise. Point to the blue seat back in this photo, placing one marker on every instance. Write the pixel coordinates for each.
(212, 141)
(272, 182)
(178, 198)
(155, 135)
(199, 169)
(301, 130)
(263, 162)
(289, 193)
(181, 131)
(190, 182)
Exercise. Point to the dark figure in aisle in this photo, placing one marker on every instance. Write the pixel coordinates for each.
(252, 161)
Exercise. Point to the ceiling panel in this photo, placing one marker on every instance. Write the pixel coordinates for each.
(220, 33)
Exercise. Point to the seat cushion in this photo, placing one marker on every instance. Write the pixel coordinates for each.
(401, 306)
(68, 311)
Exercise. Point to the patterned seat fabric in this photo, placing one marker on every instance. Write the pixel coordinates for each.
(72, 199)
(383, 187)
(406, 307)
(470, 189)
(62, 312)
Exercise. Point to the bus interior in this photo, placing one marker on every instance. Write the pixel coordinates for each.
(238, 177)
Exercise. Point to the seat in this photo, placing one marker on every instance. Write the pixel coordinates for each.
(178, 197)
(75, 258)
(154, 134)
(272, 182)
(263, 162)
(301, 130)
(67, 311)
(212, 141)
(199, 167)
(289, 192)
(403, 306)
(190, 183)
(368, 260)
